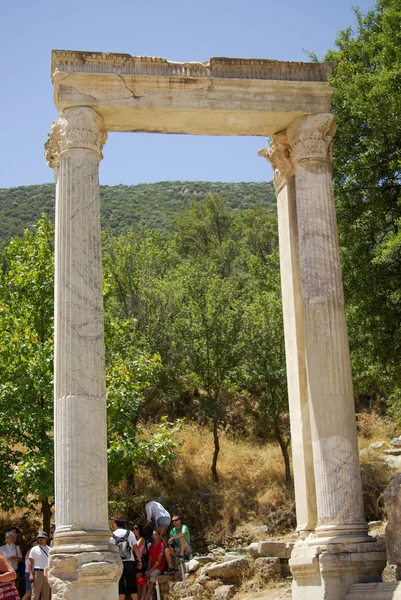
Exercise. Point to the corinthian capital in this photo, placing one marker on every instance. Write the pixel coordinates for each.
(311, 136)
(280, 158)
(79, 127)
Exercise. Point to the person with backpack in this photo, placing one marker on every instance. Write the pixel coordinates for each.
(127, 546)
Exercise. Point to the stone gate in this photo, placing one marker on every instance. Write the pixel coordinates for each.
(97, 93)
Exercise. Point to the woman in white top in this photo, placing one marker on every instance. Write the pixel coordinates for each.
(11, 552)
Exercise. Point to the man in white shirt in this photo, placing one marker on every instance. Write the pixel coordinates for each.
(11, 551)
(123, 537)
(156, 512)
(38, 560)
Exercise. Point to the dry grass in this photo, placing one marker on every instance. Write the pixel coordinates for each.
(251, 491)
(373, 428)
(251, 486)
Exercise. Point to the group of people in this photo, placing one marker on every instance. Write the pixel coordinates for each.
(27, 572)
(146, 552)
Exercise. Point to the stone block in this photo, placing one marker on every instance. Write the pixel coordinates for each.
(224, 592)
(269, 567)
(193, 565)
(393, 452)
(204, 560)
(232, 569)
(376, 445)
(375, 591)
(271, 548)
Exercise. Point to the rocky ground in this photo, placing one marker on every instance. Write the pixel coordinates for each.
(259, 570)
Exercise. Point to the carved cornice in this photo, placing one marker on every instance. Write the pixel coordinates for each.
(279, 155)
(68, 61)
(79, 127)
(311, 137)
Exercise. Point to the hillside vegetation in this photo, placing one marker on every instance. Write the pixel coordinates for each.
(124, 206)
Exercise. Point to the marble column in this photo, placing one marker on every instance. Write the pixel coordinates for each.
(301, 443)
(334, 435)
(82, 565)
(339, 552)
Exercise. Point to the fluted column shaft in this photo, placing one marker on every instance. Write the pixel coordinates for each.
(80, 433)
(335, 448)
(301, 442)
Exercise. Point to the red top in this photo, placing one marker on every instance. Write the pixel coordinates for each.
(154, 553)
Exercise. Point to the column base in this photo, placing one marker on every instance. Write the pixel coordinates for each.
(84, 571)
(326, 571)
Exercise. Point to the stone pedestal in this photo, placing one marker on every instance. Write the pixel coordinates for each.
(83, 565)
(327, 572)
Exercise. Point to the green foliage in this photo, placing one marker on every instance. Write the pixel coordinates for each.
(367, 167)
(124, 207)
(136, 267)
(26, 368)
(207, 329)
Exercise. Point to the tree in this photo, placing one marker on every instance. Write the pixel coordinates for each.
(137, 326)
(26, 371)
(205, 232)
(264, 368)
(367, 176)
(207, 333)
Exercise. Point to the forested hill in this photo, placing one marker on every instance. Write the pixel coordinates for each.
(123, 206)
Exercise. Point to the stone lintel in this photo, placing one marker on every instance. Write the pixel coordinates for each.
(222, 96)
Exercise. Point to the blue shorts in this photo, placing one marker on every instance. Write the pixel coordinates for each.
(163, 521)
(28, 586)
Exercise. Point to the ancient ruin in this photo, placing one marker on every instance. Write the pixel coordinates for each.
(97, 93)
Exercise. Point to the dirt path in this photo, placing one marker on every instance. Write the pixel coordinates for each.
(279, 593)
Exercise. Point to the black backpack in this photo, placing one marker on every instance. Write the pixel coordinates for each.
(123, 545)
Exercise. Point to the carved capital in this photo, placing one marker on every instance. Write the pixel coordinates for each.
(279, 155)
(79, 127)
(311, 137)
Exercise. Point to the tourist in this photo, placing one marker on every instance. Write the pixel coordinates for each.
(156, 564)
(16, 531)
(179, 543)
(143, 551)
(38, 561)
(28, 586)
(21, 565)
(157, 513)
(128, 546)
(11, 551)
(8, 591)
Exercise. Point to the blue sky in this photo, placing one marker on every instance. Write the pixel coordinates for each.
(177, 30)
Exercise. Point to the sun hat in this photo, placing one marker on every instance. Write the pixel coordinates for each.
(42, 534)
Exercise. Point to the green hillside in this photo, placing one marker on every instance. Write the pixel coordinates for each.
(123, 206)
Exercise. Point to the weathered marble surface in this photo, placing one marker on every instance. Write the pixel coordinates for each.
(333, 425)
(301, 438)
(83, 564)
(337, 552)
(222, 96)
